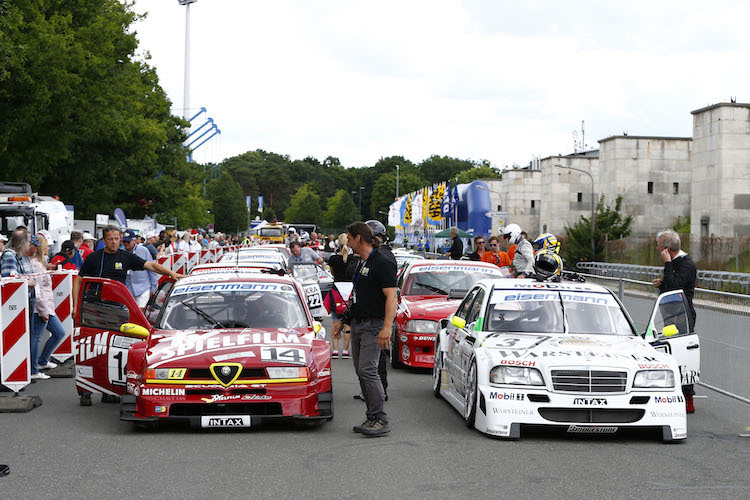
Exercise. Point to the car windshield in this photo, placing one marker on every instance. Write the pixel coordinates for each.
(270, 231)
(233, 305)
(442, 279)
(550, 311)
(312, 272)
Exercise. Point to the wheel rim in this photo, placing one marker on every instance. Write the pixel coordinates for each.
(471, 392)
(436, 368)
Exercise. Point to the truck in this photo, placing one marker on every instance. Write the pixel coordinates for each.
(20, 206)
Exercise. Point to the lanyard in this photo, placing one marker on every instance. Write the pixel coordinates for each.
(359, 268)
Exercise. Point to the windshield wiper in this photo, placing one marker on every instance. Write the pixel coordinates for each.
(201, 312)
(562, 305)
(433, 288)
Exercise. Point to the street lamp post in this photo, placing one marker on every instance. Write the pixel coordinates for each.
(186, 88)
(360, 199)
(397, 171)
(593, 212)
(492, 191)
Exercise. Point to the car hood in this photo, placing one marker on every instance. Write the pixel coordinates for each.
(191, 348)
(567, 350)
(430, 307)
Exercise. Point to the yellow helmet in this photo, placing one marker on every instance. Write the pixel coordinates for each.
(547, 241)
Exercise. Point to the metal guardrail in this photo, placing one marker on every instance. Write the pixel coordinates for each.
(711, 280)
(722, 323)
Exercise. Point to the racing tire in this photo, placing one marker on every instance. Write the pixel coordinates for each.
(395, 350)
(437, 369)
(470, 401)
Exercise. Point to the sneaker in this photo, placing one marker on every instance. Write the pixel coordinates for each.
(358, 428)
(48, 366)
(375, 428)
(335, 354)
(110, 398)
(85, 399)
(345, 355)
(39, 376)
(689, 406)
(360, 396)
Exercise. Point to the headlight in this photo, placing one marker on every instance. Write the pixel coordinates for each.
(654, 378)
(516, 375)
(166, 373)
(422, 326)
(287, 372)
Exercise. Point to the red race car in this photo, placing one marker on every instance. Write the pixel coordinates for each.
(216, 350)
(430, 290)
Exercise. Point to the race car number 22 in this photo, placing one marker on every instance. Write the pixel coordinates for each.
(314, 297)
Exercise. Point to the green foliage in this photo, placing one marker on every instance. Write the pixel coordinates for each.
(229, 207)
(682, 224)
(194, 211)
(384, 192)
(83, 117)
(608, 221)
(481, 172)
(441, 168)
(304, 207)
(340, 212)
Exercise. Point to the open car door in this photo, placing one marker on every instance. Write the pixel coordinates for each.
(104, 305)
(669, 330)
(153, 308)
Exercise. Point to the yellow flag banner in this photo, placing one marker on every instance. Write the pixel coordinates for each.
(434, 209)
(407, 215)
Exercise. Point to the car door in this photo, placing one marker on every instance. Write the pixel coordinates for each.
(153, 308)
(456, 335)
(474, 321)
(103, 305)
(668, 330)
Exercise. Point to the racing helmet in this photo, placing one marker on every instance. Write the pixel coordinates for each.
(304, 237)
(547, 265)
(547, 241)
(291, 230)
(378, 229)
(512, 233)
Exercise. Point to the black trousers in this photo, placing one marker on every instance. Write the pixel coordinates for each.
(383, 367)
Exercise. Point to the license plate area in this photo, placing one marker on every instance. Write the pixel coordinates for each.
(225, 421)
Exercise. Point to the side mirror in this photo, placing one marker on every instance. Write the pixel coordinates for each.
(134, 330)
(317, 326)
(670, 330)
(458, 322)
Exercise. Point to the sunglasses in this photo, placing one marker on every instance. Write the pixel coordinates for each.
(493, 244)
(480, 242)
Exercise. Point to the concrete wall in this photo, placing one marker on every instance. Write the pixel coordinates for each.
(560, 188)
(629, 163)
(518, 188)
(721, 172)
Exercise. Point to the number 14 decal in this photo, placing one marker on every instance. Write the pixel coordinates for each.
(282, 355)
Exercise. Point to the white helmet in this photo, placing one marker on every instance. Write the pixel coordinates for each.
(512, 233)
(292, 230)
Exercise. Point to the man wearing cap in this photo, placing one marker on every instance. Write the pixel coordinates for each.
(67, 256)
(140, 283)
(151, 244)
(113, 263)
(3, 241)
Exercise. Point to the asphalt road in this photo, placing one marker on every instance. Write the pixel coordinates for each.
(63, 450)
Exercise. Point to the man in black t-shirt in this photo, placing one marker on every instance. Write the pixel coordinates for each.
(373, 308)
(113, 263)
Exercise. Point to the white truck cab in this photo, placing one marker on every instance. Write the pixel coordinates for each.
(19, 206)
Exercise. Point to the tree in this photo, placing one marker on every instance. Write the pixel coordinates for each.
(340, 212)
(441, 168)
(384, 192)
(229, 207)
(194, 211)
(482, 172)
(304, 207)
(609, 221)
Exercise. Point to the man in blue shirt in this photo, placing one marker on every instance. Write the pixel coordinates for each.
(140, 283)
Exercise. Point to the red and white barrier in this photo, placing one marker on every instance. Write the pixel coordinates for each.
(62, 291)
(15, 355)
(179, 263)
(193, 260)
(165, 260)
(206, 257)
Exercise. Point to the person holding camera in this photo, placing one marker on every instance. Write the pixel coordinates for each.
(371, 313)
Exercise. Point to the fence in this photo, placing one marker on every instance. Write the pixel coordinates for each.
(721, 322)
(712, 280)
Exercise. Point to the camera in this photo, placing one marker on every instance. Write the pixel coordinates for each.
(346, 316)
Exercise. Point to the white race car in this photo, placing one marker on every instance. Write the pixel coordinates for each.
(520, 352)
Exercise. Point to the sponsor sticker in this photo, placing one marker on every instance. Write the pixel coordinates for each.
(591, 429)
(324, 373)
(587, 298)
(669, 399)
(230, 287)
(162, 391)
(517, 362)
(507, 396)
(512, 411)
(653, 366)
(590, 401)
(667, 414)
(456, 268)
(225, 421)
(160, 409)
(84, 371)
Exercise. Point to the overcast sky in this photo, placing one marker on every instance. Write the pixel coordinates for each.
(475, 79)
